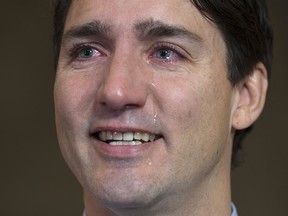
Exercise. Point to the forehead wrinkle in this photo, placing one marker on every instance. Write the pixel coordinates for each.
(156, 28)
(93, 28)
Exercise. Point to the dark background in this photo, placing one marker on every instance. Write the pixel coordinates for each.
(34, 179)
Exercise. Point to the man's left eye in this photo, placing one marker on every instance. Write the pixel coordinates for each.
(164, 54)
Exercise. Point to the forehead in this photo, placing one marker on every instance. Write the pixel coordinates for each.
(125, 13)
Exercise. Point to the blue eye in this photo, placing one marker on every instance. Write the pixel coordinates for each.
(164, 54)
(87, 53)
(167, 55)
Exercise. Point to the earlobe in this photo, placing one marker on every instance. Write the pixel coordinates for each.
(252, 95)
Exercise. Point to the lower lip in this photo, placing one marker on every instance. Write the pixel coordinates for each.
(125, 151)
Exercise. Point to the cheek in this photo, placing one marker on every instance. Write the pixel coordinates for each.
(182, 101)
(194, 115)
(71, 110)
(72, 99)
(196, 109)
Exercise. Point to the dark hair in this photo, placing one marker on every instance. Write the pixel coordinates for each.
(61, 8)
(245, 28)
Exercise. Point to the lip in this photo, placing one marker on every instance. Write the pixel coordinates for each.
(123, 151)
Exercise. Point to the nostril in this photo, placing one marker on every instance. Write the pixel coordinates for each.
(122, 97)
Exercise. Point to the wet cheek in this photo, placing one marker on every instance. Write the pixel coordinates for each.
(190, 110)
(173, 98)
(180, 110)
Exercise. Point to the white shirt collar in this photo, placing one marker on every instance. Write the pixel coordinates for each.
(234, 210)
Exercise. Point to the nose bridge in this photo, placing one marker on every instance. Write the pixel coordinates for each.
(124, 82)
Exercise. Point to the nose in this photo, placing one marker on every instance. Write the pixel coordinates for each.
(123, 85)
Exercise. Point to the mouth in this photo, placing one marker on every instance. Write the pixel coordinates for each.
(129, 138)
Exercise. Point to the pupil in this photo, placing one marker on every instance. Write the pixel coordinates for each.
(86, 53)
(164, 54)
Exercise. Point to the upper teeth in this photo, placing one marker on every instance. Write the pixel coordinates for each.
(129, 138)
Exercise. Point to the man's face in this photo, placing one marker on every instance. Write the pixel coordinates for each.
(143, 103)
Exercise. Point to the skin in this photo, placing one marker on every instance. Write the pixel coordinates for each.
(127, 85)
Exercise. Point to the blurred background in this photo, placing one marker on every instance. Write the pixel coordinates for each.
(34, 180)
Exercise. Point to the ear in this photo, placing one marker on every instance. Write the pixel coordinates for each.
(252, 95)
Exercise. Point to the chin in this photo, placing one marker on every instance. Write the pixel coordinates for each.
(122, 194)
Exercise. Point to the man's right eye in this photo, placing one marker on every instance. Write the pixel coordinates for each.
(84, 52)
(87, 53)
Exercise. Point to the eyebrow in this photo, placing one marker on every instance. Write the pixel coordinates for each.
(152, 28)
(93, 28)
(143, 30)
